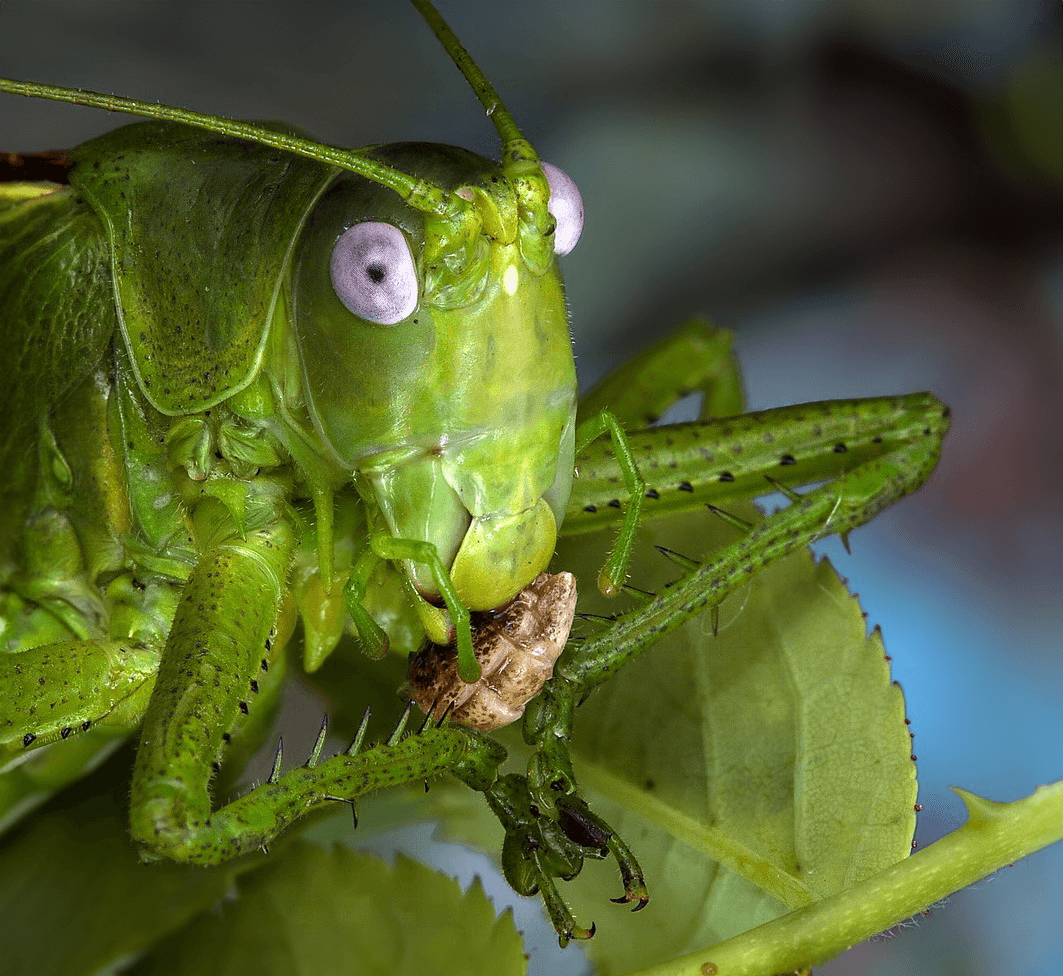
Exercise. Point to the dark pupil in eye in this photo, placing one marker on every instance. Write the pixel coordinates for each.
(376, 273)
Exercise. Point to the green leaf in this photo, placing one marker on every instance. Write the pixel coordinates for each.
(342, 911)
(76, 898)
(752, 772)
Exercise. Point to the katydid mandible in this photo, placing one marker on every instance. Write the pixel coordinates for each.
(258, 381)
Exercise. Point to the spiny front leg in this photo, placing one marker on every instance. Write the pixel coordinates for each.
(252, 821)
(207, 680)
(907, 454)
(735, 458)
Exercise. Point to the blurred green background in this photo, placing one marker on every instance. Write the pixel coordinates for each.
(868, 193)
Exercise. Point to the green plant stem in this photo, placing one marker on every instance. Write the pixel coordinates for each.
(994, 836)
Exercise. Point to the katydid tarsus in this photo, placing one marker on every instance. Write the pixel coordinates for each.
(374, 390)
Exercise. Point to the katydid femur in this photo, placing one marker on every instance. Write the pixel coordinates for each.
(367, 413)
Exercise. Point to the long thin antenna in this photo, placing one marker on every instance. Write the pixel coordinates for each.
(482, 88)
(418, 193)
(520, 163)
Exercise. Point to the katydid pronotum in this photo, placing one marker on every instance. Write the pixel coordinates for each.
(368, 414)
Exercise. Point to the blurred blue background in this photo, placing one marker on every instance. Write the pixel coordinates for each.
(867, 192)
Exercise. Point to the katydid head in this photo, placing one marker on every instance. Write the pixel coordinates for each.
(464, 430)
(448, 390)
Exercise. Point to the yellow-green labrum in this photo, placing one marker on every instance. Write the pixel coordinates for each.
(497, 551)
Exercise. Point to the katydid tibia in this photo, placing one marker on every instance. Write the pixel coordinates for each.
(257, 379)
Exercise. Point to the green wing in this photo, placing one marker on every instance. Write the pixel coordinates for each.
(201, 227)
(56, 305)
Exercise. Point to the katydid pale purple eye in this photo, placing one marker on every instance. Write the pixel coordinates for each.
(373, 273)
(567, 207)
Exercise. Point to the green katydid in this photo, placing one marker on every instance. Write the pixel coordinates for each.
(189, 470)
